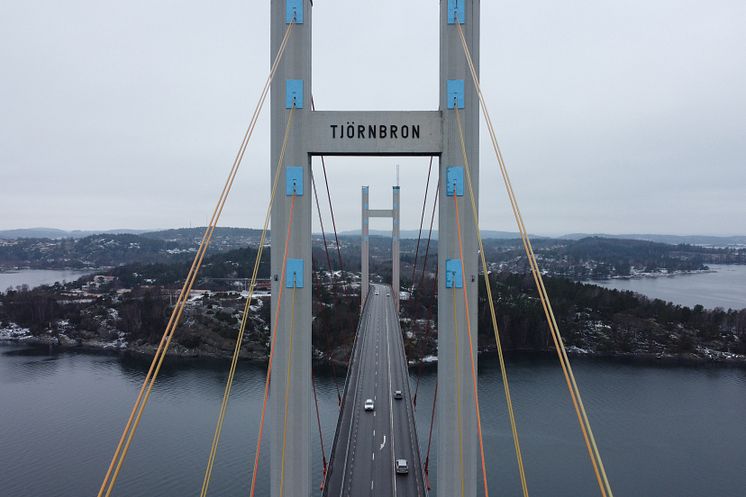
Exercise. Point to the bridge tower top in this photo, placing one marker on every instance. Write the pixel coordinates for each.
(394, 214)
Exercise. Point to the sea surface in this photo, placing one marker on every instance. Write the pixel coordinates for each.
(37, 277)
(724, 287)
(663, 431)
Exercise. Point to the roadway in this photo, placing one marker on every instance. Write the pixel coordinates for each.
(367, 443)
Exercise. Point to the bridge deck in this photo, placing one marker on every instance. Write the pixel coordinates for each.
(367, 443)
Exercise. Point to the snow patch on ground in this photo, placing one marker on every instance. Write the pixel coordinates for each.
(718, 355)
(120, 343)
(14, 332)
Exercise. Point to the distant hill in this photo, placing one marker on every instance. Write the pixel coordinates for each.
(229, 238)
(55, 234)
(89, 252)
(704, 240)
(412, 234)
(223, 237)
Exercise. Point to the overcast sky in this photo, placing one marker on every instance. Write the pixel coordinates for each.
(614, 117)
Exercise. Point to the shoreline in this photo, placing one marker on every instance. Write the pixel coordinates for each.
(705, 357)
(645, 276)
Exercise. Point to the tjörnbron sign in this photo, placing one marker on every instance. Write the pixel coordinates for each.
(373, 132)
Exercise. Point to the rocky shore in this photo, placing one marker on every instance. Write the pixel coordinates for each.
(14, 334)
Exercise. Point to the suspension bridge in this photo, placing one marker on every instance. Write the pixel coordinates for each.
(375, 449)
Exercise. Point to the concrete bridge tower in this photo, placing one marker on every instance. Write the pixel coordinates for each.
(375, 133)
(393, 213)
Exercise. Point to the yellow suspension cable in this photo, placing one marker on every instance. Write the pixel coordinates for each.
(287, 390)
(471, 344)
(143, 396)
(275, 324)
(459, 420)
(244, 319)
(495, 329)
(586, 430)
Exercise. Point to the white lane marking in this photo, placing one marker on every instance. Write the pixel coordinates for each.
(371, 484)
(374, 456)
(355, 414)
(374, 433)
(384, 442)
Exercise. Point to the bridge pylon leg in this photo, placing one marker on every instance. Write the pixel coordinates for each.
(395, 257)
(365, 249)
(289, 427)
(457, 447)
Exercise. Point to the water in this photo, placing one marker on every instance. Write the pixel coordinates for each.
(37, 277)
(726, 287)
(662, 431)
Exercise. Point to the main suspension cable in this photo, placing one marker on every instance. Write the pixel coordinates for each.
(422, 219)
(331, 207)
(323, 232)
(495, 329)
(246, 311)
(331, 276)
(582, 415)
(128, 433)
(472, 350)
(417, 297)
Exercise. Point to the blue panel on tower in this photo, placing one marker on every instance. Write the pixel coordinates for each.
(454, 276)
(294, 93)
(455, 181)
(294, 11)
(294, 181)
(455, 93)
(456, 9)
(294, 273)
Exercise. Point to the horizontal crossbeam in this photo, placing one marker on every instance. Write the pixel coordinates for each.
(383, 133)
(380, 213)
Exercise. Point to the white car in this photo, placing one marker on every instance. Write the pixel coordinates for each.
(398, 395)
(369, 405)
(376, 292)
(388, 294)
(402, 468)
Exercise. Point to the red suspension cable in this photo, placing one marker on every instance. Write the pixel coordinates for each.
(430, 438)
(321, 435)
(331, 275)
(429, 318)
(430, 233)
(323, 232)
(329, 197)
(435, 288)
(272, 350)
